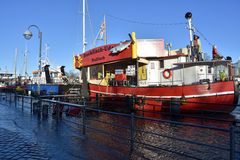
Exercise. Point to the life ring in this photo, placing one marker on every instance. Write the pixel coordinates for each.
(167, 73)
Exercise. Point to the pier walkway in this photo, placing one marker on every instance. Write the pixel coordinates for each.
(26, 136)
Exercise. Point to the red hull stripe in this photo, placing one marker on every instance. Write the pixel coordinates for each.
(187, 96)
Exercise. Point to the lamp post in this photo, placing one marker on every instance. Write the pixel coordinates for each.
(28, 35)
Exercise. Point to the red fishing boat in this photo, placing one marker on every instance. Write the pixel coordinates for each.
(158, 78)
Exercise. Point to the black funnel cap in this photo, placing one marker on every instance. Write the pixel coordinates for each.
(188, 15)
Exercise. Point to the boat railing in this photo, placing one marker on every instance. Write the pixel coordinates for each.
(132, 131)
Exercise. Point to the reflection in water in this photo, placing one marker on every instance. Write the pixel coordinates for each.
(164, 142)
(168, 141)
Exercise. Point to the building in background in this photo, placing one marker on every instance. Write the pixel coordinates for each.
(237, 70)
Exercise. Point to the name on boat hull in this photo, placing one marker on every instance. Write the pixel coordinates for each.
(101, 55)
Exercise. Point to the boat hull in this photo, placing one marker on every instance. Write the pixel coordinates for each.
(214, 97)
(46, 89)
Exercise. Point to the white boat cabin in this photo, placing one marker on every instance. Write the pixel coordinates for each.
(156, 66)
(47, 75)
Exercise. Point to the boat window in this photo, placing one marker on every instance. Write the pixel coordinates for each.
(118, 71)
(142, 72)
(95, 72)
(152, 65)
(209, 69)
(161, 63)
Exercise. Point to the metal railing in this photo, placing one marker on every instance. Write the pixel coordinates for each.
(132, 133)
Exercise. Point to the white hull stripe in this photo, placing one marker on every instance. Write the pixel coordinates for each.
(188, 96)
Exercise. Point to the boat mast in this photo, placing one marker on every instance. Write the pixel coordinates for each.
(188, 16)
(15, 65)
(84, 21)
(105, 30)
(84, 35)
(84, 71)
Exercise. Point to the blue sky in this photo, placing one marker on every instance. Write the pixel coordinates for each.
(61, 24)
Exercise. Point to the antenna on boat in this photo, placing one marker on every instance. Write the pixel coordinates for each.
(188, 16)
(46, 61)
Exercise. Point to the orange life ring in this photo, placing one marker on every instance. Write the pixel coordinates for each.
(167, 73)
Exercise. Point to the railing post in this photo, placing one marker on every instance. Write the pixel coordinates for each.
(133, 102)
(59, 108)
(31, 105)
(45, 110)
(98, 99)
(22, 101)
(8, 98)
(84, 119)
(232, 142)
(10, 101)
(132, 132)
(40, 105)
(130, 102)
(15, 99)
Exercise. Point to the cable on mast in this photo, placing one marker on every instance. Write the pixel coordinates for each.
(145, 23)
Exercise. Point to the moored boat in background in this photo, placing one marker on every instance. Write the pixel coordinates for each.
(47, 81)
